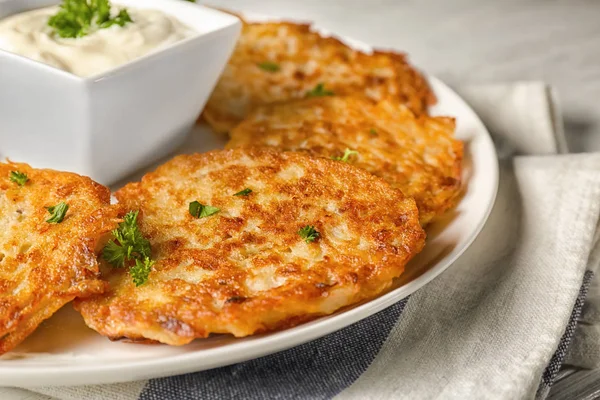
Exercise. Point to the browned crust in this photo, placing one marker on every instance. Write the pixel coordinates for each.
(246, 270)
(43, 265)
(308, 58)
(418, 155)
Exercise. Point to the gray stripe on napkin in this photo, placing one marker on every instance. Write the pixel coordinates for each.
(315, 370)
(558, 358)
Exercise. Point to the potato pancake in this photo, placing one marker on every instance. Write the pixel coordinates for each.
(282, 61)
(418, 155)
(254, 240)
(47, 257)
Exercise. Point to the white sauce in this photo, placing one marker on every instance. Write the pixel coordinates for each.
(29, 35)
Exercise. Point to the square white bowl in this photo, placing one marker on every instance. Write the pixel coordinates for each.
(107, 126)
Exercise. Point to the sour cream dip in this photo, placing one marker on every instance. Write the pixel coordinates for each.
(28, 34)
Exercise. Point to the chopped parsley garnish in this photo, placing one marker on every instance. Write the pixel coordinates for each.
(77, 18)
(244, 192)
(319, 91)
(121, 19)
(130, 245)
(373, 132)
(269, 66)
(308, 233)
(346, 156)
(18, 177)
(199, 210)
(140, 271)
(115, 253)
(58, 212)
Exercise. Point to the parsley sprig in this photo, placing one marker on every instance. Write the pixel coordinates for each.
(245, 192)
(319, 91)
(269, 66)
(19, 178)
(58, 212)
(346, 157)
(309, 233)
(199, 210)
(77, 18)
(141, 270)
(130, 248)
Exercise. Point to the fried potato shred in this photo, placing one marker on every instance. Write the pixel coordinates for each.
(281, 61)
(44, 265)
(418, 155)
(254, 266)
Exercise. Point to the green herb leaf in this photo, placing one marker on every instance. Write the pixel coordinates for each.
(130, 238)
(77, 18)
(73, 19)
(121, 19)
(58, 212)
(199, 210)
(319, 91)
(115, 254)
(269, 66)
(141, 270)
(18, 177)
(373, 132)
(244, 192)
(129, 244)
(102, 11)
(309, 233)
(346, 156)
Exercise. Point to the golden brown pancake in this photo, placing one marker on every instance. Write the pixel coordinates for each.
(252, 266)
(44, 265)
(418, 155)
(282, 61)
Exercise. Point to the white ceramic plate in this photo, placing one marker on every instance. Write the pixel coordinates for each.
(63, 351)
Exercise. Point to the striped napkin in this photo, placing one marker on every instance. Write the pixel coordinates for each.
(496, 325)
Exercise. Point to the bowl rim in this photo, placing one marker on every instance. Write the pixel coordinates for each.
(164, 6)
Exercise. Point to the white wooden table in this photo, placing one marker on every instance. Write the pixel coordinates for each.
(483, 41)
